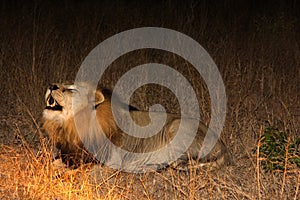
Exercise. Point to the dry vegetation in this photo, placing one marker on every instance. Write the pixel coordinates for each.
(255, 48)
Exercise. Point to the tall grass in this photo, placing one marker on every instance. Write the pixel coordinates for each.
(257, 54)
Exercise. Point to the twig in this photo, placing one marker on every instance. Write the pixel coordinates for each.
(285, 166)
(108, 178)
(31, 116)
(297, 188)
(257, 164)
(177, 187)
(24, 143)
(146, 192)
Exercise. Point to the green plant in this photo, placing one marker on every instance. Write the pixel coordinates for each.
(277, 151)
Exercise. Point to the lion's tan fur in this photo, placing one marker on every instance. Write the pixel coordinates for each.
(64, 133)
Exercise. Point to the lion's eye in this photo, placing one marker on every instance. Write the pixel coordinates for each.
(73, 90)
(70, 90)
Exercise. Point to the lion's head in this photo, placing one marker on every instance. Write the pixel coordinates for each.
(65, 100)
(68, 113)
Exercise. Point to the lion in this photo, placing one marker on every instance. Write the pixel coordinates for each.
(82, 124)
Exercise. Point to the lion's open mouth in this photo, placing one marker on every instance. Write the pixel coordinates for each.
(52, 104)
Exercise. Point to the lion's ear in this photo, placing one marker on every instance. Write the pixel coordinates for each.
(99, 98)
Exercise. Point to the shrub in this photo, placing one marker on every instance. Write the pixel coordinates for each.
(277, 151)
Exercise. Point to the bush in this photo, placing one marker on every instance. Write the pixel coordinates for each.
(277, 151)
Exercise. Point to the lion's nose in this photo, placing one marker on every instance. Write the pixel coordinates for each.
(53, 87)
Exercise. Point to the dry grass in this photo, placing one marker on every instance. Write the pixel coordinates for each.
(25, 176)
(258, 56)
(28, 175)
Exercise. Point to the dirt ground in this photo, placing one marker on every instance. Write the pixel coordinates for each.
(255, 45)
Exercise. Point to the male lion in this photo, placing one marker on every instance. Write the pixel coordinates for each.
(83, 127)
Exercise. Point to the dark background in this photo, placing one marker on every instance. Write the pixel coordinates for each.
(254, 43)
